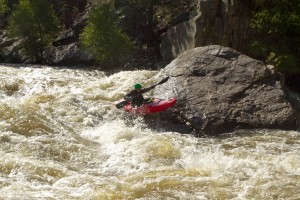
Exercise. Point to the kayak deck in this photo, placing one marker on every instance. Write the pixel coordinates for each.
(156, 105)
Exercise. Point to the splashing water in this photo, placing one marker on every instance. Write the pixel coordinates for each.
(62, 138)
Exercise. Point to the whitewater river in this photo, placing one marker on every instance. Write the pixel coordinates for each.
(62, 138)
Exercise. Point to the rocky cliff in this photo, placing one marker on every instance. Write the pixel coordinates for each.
(222, 22)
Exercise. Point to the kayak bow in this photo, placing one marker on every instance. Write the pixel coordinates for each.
(156, 105)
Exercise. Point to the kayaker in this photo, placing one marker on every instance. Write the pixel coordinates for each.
(136, 95)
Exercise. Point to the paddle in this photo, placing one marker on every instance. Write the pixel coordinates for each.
(124, 103)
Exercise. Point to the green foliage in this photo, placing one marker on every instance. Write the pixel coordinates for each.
(278, 22)
(103, 38)
(160, 13)
(35, 21)
(3, 8)
(285, 63)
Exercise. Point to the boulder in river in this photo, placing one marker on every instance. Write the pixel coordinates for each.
(221, 90)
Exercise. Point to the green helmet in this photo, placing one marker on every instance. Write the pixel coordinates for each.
(137, 86)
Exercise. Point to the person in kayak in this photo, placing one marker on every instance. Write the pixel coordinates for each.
(135, 97)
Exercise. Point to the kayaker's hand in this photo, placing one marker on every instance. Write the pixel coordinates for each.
(149, 100)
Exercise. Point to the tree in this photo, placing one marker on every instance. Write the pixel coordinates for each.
(3, 8)
(158, 14)
(278, 23)
(103, 38)
(35, 22)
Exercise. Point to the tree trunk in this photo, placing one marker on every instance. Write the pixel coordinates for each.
(150, 20)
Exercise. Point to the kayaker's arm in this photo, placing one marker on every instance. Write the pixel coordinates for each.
(130, 95)
(148, 89)
(153, 86)
(127, 98)
(134, 93)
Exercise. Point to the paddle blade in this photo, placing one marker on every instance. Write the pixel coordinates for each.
(121, 104)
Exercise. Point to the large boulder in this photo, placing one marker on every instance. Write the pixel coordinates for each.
(220, 90)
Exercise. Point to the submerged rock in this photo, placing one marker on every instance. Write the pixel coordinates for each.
(220, 90)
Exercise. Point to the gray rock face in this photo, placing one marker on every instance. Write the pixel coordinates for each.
(68, 54)
(220, 90)
(10, 50)
(222, 22)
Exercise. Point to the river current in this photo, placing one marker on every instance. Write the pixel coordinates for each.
(62, 138)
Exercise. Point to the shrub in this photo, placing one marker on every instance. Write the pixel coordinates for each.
(35, 22)
(3, 8)
(103, 38)
(278, 23)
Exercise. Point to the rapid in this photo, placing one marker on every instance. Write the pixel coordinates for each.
(62, 138)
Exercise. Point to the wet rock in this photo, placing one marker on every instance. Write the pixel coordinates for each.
(220, 90)
(69, 54)
(5, 138)
(223, 22)
(10, 49)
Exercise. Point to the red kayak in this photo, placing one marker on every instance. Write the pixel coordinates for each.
(156, 105)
